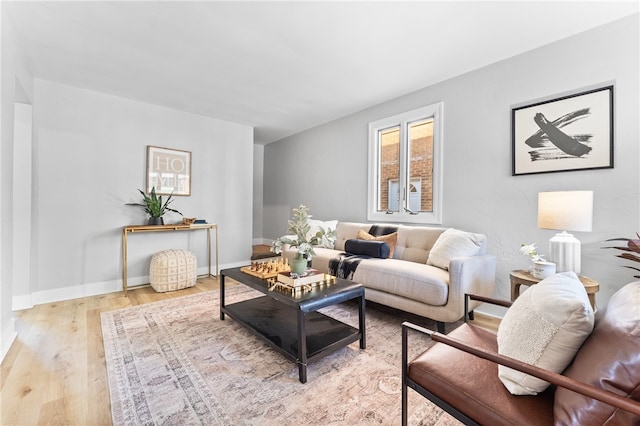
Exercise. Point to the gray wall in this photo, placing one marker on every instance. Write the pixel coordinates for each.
(89, 160)
(326, 167)
(258, 200)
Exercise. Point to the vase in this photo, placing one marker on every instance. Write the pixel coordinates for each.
(298, 265)
(156, 221)
(542, 269)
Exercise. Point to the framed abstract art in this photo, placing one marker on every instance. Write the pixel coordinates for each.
(572, 132)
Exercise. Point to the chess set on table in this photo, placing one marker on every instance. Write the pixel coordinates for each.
(267, 269)
(295, 285)
(279, 277)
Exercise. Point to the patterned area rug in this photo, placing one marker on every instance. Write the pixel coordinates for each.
(175, 363)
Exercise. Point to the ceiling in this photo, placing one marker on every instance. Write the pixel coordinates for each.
(284, 67)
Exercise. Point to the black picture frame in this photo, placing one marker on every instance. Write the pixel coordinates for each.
(568, 133)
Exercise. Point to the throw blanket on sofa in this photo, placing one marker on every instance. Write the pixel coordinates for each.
(344, 266)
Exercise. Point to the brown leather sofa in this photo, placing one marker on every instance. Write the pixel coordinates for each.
(459, 373)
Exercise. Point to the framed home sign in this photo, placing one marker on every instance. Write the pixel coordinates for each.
(168, 170)
(573, 132)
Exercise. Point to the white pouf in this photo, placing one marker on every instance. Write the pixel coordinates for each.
(172, 269)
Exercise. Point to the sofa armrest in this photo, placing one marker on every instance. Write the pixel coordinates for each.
(470, 274)
(549, 376)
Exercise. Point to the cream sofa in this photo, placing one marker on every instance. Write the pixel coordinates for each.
(410, 280)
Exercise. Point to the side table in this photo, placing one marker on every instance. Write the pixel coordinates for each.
(523, 277)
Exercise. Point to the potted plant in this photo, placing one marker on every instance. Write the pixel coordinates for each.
(629, 251)
(154, 206)
(299, 229)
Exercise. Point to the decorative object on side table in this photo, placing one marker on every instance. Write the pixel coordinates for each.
(154, 206)
(633, 246)
(540, 269)
(300, 229)
(565, 211)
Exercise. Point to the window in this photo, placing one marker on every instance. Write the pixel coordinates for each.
(405, 167)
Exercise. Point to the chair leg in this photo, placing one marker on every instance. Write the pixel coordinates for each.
(440, 326)
(471, 316)
(405, 361)
(405, 407)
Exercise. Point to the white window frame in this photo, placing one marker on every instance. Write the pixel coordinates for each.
(435, 111)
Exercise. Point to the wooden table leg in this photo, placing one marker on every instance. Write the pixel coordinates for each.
(515, 289)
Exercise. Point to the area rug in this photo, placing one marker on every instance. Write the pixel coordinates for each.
(175, 362)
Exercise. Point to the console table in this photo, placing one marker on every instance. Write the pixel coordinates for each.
(166, 228)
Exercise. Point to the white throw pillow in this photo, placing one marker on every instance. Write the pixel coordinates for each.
(454, 243)
(544, 327)
(327, 225)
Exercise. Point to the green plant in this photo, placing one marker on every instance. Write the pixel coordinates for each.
(299, 228)
(153, 204)
(633, 246)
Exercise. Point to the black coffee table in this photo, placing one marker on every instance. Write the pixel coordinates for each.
(290, 322)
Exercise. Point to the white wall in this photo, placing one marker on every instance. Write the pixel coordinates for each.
(15, 85)
(90, 159)
(480, 194)
(22, 184)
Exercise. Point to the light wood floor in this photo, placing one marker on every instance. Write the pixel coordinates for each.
(55, 373)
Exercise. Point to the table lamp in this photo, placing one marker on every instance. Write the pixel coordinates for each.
(565, 211)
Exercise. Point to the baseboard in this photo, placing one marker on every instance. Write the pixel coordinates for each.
(78, 291)
(23, 301)
(262, 241)
(28, 301)
(8, 337)
(492, 311)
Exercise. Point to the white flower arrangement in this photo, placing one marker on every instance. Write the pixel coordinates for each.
(299, 228)
(531, 252)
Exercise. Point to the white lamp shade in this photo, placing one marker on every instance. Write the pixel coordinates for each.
(566, 210)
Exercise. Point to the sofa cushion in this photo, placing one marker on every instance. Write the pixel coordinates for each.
(390, 239)
(610, 360)
(378, 249)
(415, 281)
(545, 327)
(415, 242)
(317, 225)
(454, 243)
(346, 231)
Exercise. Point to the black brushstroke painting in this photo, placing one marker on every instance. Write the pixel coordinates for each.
(571, 132)
(551, 143)
(538, 138)
(560, 139)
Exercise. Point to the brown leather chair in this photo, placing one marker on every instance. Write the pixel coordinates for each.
(459, 373)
